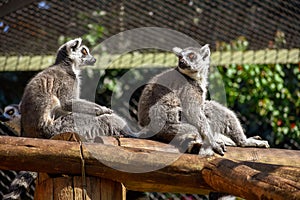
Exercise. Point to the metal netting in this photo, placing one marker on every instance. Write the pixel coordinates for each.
(35, 27)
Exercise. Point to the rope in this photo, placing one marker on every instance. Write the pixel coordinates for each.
(83, 180)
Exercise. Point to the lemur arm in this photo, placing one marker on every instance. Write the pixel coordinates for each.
(86, 107)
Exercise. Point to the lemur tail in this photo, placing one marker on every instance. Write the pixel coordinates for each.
(143, 133)
(20, 185)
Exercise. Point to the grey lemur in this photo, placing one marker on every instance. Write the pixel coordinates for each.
(12, 185)
(173, 106)
(51, 101)
(51, 105)
(11, 118)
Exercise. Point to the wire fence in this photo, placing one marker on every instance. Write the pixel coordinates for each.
(35, 27)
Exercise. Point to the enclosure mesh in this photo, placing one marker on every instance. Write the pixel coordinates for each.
(34, 29)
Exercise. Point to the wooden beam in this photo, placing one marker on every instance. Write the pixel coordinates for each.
(187, 173)
(165, 59)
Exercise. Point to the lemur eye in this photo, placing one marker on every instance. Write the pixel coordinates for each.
(191, 56)
(84, 51)
(10, 112)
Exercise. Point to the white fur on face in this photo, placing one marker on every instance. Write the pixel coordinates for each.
(197, 60)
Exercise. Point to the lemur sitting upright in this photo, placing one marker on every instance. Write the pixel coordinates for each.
(174, 108)
(51, 105)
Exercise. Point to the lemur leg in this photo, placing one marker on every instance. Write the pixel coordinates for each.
(195, 116)
(88, 126)
(223, 121)
(183, 136)
(166, 126)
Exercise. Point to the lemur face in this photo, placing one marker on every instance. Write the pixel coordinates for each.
(10, 112)
(80, 54)
(74, 52)
(193, 60)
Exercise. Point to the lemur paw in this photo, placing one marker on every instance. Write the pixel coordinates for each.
(263, 143)
(255, 142)
(221, 143)
(219, 148)
(256, 137)
(103, 110)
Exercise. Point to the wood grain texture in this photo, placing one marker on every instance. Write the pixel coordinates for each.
(71, 188)
(251, 173)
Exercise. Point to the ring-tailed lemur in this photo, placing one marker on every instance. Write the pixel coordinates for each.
(53, 97)
(11, 118)
(9, 186)
(11, 111)
(51, 105)
(174, 108)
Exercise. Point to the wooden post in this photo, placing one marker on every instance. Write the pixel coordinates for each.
(72, 188)
(77, 187)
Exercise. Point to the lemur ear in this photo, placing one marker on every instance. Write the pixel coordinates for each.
(72, 45)
(205, 51)
(177, 51)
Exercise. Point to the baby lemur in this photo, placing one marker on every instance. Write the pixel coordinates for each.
(174, 108)
(51, 105)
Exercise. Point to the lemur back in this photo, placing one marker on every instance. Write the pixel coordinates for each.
(41, 96)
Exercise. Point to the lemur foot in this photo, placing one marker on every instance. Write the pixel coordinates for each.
(219, 147)
(216, 147)
(103, 110)
(256, 141)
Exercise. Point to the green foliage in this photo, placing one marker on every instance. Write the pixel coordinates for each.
(95, 32)
(107, 85)
(239, 44)
(266, 95)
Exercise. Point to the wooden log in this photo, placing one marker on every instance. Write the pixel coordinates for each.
(259, 181)
(187, 173)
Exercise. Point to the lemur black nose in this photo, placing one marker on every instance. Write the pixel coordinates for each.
(182, 64)
(93, 60)
(3, 118)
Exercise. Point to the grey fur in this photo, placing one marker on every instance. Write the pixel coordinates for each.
(174, 108)
(51, 103)
(227, 127)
